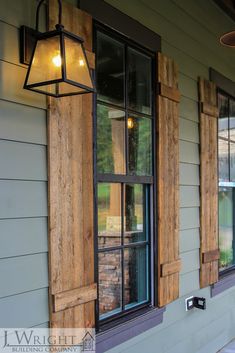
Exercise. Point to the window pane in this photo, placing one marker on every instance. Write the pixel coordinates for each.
(232, 161)
(139, 82)
(110, 283)
(232, 119)
(135, 276)
(110, 140)
(110, 70)
(223, 116)
(223, 160)
(226, 227)
(136, 220)
(140, 145)
(109, 215)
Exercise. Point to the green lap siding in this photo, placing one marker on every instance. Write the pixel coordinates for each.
(23, 181)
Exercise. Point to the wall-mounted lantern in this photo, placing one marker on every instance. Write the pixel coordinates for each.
(58, 64)
(228, 39)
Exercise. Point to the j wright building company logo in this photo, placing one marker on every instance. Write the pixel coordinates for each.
(46, 340)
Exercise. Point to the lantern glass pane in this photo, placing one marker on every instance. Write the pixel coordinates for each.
(77, 69)
(47, 62)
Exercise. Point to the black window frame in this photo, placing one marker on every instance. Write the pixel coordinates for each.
(222, 92)
(226, 277)
(123, 179)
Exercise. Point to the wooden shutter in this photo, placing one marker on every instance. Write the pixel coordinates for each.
(71, 250)
(168, 180)
(209, 252)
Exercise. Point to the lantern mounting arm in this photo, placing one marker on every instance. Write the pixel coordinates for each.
(28, 36)
(38, 12)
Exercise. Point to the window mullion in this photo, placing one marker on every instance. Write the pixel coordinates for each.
(126, 115)
(122, 248)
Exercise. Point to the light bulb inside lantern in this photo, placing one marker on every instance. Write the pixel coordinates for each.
(81, 62)
(130, 123)
(57, 60)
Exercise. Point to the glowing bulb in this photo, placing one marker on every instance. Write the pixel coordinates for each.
(130, 123)
(81, 62)
(57, 60)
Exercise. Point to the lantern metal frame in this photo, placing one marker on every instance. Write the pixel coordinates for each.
(30, 37)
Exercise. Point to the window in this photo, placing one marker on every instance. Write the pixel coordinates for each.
(226, 157)
(124, 175)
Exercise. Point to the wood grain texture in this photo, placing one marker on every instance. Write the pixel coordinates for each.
(169, 92)
(210, 256)
(74, 297)
(70, 157)
(209, 109)
(208, 184)
(170, 268)
(168, 182)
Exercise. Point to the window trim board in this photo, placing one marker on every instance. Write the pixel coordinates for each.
(125, 331)
(120, 22)
(225, 282)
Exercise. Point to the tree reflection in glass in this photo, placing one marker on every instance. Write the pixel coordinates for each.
(140, 146)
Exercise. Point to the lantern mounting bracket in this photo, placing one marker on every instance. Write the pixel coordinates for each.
(28, 37)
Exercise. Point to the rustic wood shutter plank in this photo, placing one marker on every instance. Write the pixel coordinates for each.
(168, 180)
(209, 252)
(70, 164)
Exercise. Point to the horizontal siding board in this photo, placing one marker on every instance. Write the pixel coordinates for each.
(187, 65)
(190, 261)
(189, 218)
(23, 236)
(206, 15)
(182, 22)
(188, 109)
(189, 196)
(9, 34)
(189, 130)
(189, 283)
(20, 199)
(189, 239)
(23, 273)
(22, 161)
(189, 152)
(25, 310)
(11, 86)
(189, 174)
(18, 12)
(22, 123)
(188, 87)
(215, 329)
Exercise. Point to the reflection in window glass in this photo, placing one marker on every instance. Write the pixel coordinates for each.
(139, 146)
(109, 214)
(223, 160)
(232, 119)
(232, 161)
(110, 140)
(223, 116)
(123, 160)
(226, 204)
(139, 82)
(110, 70)
(136, 226)
(110, 283)
(136, 280)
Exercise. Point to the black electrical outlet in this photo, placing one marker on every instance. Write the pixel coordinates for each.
(199, 303)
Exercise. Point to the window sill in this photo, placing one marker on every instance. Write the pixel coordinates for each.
(225, 282)
(129, 329)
